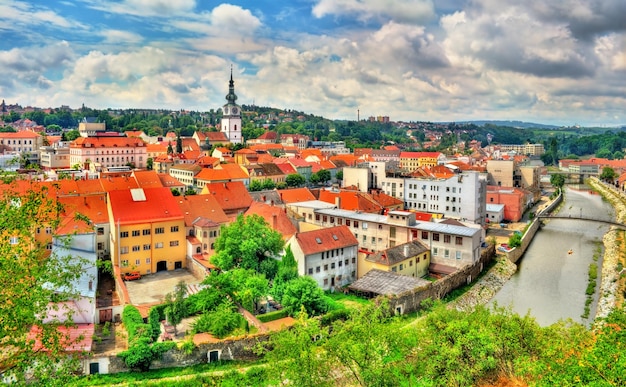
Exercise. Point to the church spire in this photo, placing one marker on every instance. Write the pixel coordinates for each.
(231, 97)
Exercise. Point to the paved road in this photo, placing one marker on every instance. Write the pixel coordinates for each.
(151, 289)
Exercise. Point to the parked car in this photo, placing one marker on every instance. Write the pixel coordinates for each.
(132, 276)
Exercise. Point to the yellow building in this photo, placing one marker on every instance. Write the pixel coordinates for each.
(413, 160)
(147, 230)
(411, 259)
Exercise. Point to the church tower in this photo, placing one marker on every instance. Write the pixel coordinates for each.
(231, 114)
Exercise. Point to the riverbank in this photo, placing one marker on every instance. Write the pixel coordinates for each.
(609, 284)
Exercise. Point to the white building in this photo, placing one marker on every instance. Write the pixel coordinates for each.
(231, 118)
(328, 255)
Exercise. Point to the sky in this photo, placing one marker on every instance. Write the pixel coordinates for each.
(559, 62)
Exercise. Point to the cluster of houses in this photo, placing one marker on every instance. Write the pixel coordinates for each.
(404, 214)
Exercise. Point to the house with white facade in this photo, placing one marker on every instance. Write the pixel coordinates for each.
(328, 255)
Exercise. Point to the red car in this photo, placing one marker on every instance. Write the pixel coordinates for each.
(133, 275)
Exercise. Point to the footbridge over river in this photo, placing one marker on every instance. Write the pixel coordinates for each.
(616, 224)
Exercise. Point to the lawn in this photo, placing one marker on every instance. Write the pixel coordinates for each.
(348, 301)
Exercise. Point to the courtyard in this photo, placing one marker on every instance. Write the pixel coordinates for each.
(151, 289)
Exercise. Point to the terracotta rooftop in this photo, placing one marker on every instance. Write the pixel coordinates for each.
(130, 206)
(231, 196)
(325, 239)
(275, 217)
(206, 206)
(296, 195)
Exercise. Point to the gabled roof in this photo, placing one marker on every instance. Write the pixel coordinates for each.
(325, 239)
(92, 207)
(385, 200)
(131, 206)
(118, 183)
(147, 179)
(222, 173)
(169, 181)
(231, 196)
(107, 142)
(296, 195)
(268, 136)
(348, 159)
(271, 169)
(286, 168)
(275, 217)
(351, 200)
(397, 254)
(205, 206)
(299, 163)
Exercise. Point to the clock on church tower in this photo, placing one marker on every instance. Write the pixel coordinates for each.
(231, 119)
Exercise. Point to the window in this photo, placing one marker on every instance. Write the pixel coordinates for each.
(332, 265)
(373, 240)
(310, 270)
(159, 230)
(125, 263)
(339, 221)
(173, 243)
(146, 231)
(317, 269)
(458, 241)
(435, 251)
(346, 262)
(100, 246)
(392, 232)
(446, 238)
(411, 262)
(124, 250)
(317, 216)
(356, 224)
(340, 263)
(100, 230)
(446, 253)
(401, 266)
(137, 261)
(394, 269)
(436, 236)
(136, 248)
(136, 233)
(458, 255)
(325, 281)
(324, 218)
(353, 259)
(364, 238)
(325, 267)
(348, 222)
(124, 234)
(158, 245)
(332, 219)
(364, 225)
(174, 229)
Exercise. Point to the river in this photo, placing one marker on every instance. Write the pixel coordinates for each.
(550, 282)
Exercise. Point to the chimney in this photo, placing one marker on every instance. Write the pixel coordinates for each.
(338, 202)
(274, 221)
(406, 250)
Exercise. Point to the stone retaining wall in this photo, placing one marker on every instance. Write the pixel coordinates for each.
(412, 300)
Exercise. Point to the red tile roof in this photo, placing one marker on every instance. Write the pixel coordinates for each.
(232, 196)
(295, 195)
(76, 339)
(95, 142)
(325, 239)
(351, 201)
(148, 205)
(118, 183)
(275, 217)
(206, 206)
(147, 179)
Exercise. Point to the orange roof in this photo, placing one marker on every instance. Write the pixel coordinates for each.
(385, 200)
(92, 186)
(295, 195)
(92, 207)
(213, 175)
(286, 168)
(133, 133)
(325, 239)
(231, 195)
(169, 181)
(275, 217)
(236, 171)
(349, 159)
(265, 159)
(196, 206)
(351, 201)
(109, 142)
(20, 134)
(118, 183)
(156, 148)
(144, 205)
(147, 179)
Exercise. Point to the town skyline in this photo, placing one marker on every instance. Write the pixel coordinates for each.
(560, 64)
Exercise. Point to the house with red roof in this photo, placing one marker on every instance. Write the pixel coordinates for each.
(268, 137)
(232, 196)
(147, 230)
(223, 173)
(328, 255)
(109, 152)
(412, 160)
(296, 195)
(246, 156)
(275, 216)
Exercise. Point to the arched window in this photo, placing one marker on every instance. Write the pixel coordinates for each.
(198, 250)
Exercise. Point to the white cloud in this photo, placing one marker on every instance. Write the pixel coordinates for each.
(19, 13)
(400, 10)
(119, 36)
(145, 8)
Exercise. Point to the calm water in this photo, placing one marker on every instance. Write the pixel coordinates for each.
(550, 284)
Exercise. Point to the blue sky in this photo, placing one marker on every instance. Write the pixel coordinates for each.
(553, 61)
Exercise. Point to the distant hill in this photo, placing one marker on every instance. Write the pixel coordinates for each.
(513, 124)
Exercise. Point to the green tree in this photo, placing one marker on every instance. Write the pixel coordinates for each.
(339, 175)
(150, 163)
(323, 175)
(268, 184)
(170, 150)
(303, 292)
(70, 135)
(30, 281)
(179, 144)
(255, 185)
(295, 180)
(245, 243)
(608, 174)
(557, 180)
(176, 308)
(287, 271)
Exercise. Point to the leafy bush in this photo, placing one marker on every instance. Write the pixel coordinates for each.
(154, 321)
(334, 315)
(271, 316)
(515, 240)
(221, 322)
(141, 354)
(133, 322)
(206, 300)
